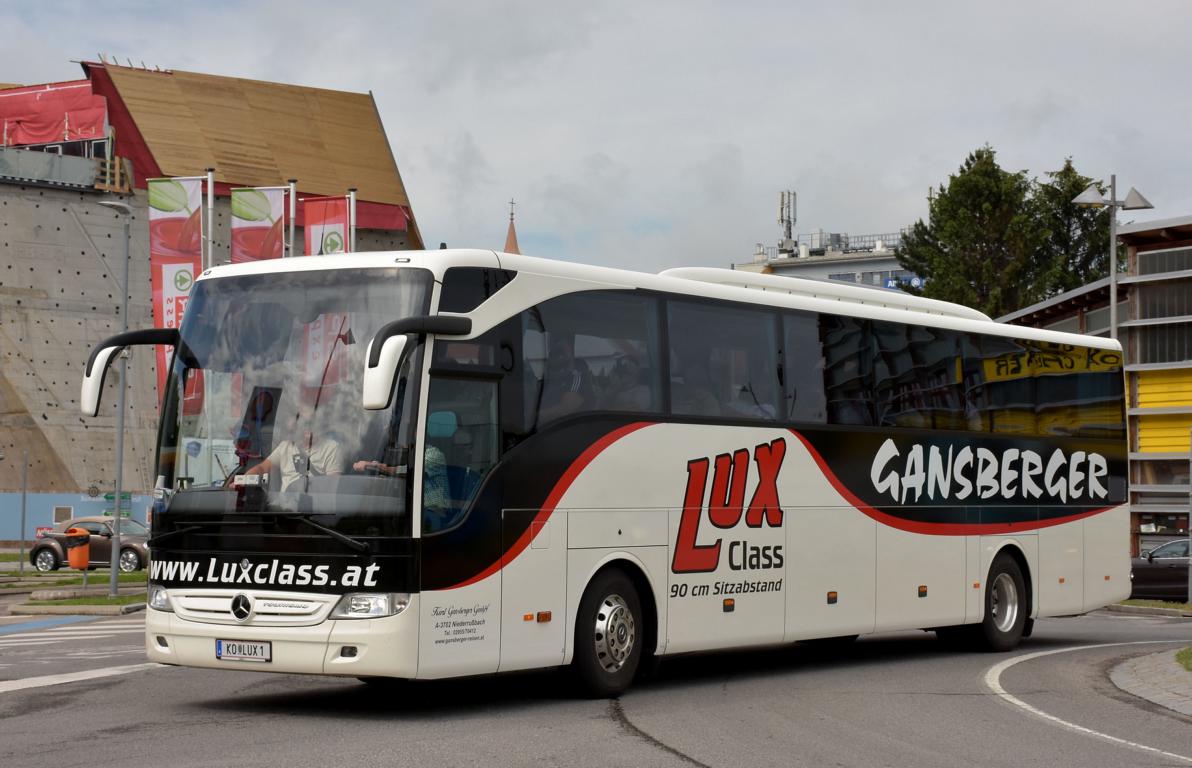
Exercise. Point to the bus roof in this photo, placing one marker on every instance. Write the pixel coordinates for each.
(729, 285)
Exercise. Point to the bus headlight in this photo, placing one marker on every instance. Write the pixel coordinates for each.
(362, 605)
(159, 599)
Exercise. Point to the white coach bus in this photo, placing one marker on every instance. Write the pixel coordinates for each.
(427, 465)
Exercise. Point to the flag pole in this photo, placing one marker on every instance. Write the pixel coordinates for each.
(293, 211)
(210, 256)
(352, 220)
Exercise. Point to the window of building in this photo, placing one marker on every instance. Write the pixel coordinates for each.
(1168, 299)
(1158, 262)
(1164, 343)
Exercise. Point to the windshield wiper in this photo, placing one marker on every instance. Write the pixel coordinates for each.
(176, 532)
(355, 544)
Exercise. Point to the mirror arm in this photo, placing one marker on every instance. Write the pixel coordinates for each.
(444, 325)
(167, 336)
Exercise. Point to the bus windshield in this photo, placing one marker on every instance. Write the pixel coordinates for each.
(262, 411)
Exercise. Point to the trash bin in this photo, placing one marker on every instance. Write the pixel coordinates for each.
(78, 547)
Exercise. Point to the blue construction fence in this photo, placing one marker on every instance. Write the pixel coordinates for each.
(39, 510)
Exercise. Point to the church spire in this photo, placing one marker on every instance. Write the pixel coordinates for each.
(511, 236)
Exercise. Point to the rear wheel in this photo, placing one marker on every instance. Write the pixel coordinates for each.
(1005, 606)
(45, 560)
(608, 635)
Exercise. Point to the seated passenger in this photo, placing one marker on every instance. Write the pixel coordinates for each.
(691, 393)
(628, 392)
(567, 386)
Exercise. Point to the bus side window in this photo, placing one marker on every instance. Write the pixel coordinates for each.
(462, 443)
(590, 352)
(724, 361)
(803, 370)
(848, 369)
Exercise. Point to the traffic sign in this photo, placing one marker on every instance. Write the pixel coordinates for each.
(125, 496)
(124, 512)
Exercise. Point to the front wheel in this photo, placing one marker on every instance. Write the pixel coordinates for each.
(608, 635)
(129, 561)
(1005, 606)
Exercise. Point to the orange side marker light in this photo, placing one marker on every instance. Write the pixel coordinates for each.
(543, 617)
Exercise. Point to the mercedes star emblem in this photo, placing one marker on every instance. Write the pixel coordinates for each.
(241, 607)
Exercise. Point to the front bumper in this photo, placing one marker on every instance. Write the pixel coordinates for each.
(384, 647)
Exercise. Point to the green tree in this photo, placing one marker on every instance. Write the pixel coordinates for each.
(1076, 238)
(981, 242)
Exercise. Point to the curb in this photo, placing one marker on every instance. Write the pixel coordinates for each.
(1156, 677)
(69, 593)
(76, 610)
(1139, 610)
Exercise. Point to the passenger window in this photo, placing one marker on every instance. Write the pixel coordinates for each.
(848, 377)
(724, 361)
(465, 288)
(917, 377)
(803, 370)
(462, 443)
(999, 386)
(590, 352)
(1078, 391)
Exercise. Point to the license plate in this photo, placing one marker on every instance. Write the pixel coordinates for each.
(243, 650)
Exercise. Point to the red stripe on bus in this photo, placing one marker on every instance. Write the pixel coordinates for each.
(934, 529)
(552, 500)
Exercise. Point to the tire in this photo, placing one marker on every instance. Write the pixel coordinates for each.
(44, 560)
(129, 561)
(609, 634)
(1005, 606)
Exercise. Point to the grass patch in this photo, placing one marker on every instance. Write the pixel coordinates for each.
(96, 600)
(67, 580)
(1185, 657)
(9, 557)
(1158, 604)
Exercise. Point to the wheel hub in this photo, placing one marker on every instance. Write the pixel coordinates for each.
(1003, 602)
(615, 633)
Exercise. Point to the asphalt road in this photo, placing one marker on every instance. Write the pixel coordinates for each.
(892, 700)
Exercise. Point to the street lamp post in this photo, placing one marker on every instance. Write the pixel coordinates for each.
(114, 584)
(1093, 198)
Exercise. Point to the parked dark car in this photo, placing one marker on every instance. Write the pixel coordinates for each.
(1162, 573)
(49, 554)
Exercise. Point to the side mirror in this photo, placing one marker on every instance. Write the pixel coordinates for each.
(378, 379)
(101, 357)
(1150, 557)
(106, 533)
(388, 347)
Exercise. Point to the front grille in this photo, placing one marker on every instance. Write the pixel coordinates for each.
(269, 609)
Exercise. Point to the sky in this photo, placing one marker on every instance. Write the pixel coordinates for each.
(659, 134)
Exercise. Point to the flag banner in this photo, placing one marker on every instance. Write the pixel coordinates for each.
(257, 221)
(175, 258)
(325, 350)
(326, 225)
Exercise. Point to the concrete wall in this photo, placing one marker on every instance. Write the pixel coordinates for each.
(61, 262)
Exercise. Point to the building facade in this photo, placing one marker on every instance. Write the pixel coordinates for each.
(861, 259)
(1155, 329)
(62, 254)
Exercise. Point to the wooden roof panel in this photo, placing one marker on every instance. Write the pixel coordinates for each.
(261, 134)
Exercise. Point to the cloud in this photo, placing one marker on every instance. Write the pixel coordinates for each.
(658, 134)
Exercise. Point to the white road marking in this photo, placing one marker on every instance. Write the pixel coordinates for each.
(73, 633)
(993, 682)
(9, 686)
